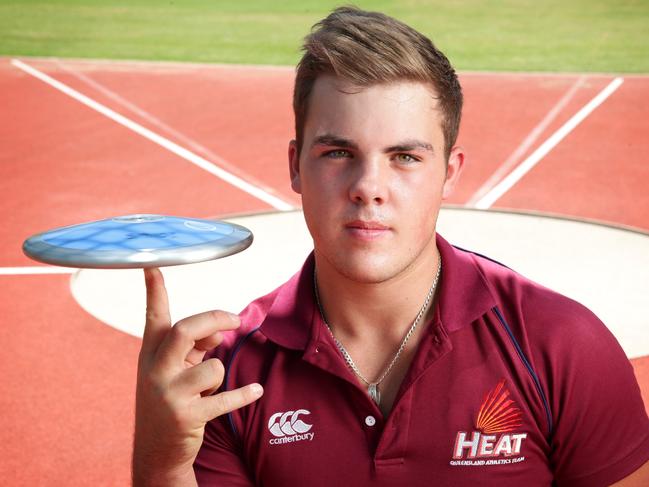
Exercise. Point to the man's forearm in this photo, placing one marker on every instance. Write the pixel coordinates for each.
(150, 477)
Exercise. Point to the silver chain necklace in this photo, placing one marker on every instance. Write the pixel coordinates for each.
(373, 387)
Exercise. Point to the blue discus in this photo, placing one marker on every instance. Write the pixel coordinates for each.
(138, 241)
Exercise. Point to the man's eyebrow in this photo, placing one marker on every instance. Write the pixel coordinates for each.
(334, 141)
(409, 145)
(404, 146)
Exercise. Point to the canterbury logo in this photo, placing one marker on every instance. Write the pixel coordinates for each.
(288, 427)
(288, 423)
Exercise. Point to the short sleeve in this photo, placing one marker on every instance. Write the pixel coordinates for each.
(218, 462)
(601, 432)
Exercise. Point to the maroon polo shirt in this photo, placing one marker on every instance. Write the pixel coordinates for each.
(511, 384)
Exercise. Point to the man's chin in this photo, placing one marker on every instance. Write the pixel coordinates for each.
(367, 269)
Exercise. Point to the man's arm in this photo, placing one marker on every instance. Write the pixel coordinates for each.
(174, 397)
(601, 429)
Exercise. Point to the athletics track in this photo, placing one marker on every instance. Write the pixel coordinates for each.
(67, 380)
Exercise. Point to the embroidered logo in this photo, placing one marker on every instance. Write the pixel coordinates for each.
(497, 417)
(287, 427)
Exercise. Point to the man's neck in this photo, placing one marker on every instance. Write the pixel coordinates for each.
(374, 311)
(372, 319)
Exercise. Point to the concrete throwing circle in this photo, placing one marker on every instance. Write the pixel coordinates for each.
(605, 268)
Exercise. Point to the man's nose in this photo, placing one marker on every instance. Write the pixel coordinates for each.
(369, 181)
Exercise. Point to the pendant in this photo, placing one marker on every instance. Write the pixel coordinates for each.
(373, 389)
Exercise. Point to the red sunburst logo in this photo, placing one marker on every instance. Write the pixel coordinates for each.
(498, 414)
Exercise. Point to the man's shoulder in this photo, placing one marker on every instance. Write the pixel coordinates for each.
(556, 332)
(550, 322)
(517, 292)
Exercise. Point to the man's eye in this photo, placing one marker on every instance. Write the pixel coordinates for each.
(337, 154)
(406, 158)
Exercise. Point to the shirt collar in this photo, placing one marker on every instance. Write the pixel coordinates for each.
(290, 318)
(464, 296)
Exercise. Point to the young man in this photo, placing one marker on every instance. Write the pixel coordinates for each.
(391, 358)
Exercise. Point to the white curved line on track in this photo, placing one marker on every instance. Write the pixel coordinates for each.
(524, 167)
(182, 152)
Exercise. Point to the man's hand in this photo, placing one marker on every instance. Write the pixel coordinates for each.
(174, 387)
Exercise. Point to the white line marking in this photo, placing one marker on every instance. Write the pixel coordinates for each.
(512, 178)
(195, 159)
(35, 270)
(156, 122)
(531, 138)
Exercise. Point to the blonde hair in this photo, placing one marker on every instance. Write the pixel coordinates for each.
(368, 48)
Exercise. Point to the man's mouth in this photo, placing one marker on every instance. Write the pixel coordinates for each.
(367, 229)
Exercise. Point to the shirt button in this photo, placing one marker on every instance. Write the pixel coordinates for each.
(370, 420)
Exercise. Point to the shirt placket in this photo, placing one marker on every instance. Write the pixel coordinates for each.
(393, 443)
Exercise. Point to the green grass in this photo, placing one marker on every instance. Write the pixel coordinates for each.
(523, 35)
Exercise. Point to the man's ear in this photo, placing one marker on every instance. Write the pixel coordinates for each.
(453, 170)
(294, 166)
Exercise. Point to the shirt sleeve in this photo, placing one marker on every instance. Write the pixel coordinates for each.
(219, 462)
(601, 429)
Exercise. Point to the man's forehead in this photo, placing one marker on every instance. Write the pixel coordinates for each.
(341, 111)
(397, 90)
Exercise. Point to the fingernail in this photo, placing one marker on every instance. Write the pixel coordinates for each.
(256, 390)
(235, 318)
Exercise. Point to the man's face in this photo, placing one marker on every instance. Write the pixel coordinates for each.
(372, 176)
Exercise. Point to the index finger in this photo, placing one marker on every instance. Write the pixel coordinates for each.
(189, 332)
(158, 320)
